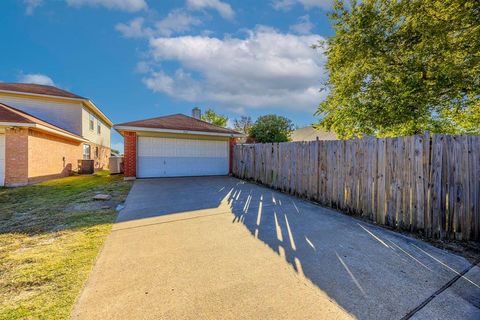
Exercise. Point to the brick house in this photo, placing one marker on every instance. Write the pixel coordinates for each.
(45, 130)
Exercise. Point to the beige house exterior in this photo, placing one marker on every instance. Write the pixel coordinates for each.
(311, 134)
(44, 131)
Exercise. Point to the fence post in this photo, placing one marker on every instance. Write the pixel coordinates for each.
(428, 183)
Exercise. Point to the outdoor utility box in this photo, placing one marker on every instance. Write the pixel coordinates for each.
(115, 165)
(86, 166)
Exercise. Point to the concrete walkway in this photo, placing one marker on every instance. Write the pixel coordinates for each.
(221, 248)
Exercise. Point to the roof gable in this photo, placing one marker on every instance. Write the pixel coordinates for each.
(8, 115)
(52, 92)
(177, 122)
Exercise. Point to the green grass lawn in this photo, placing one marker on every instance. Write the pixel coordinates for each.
(50, 235)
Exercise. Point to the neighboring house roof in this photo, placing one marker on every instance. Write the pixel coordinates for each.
(178, 123)
(10, 116)
(310, 134)
(38, 89)
(51, 91)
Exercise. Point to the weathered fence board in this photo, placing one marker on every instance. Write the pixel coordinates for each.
(424, 183)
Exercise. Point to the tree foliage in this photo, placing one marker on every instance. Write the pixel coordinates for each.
(212, 117)
(271, 128)
(399, 67)
(243, 124)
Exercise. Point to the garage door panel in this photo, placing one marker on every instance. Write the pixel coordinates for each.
(169, 157)
(169, 147)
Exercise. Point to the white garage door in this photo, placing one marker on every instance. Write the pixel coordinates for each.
(2, 159)
(169, 157)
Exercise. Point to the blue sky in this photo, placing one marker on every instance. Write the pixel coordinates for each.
(142, 58)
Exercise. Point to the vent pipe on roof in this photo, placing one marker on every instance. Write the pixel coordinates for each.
(196, 113)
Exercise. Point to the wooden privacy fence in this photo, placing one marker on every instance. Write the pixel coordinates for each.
(419, 183)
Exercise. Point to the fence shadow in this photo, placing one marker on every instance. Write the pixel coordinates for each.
(369, 271)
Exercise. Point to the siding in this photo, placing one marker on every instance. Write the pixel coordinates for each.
(102, 139)
(61, 114)
(73, 116)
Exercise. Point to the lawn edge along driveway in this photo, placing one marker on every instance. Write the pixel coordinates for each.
(50, 236)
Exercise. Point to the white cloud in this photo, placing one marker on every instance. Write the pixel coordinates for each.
(224, 9)
(123, 5)
(161, 82)
(304, 25)
(31, 5)
(175, 22)
(265, 69)
(288, 4)
(142, 67)
(134, 29)
(283, 4)
(36, 78)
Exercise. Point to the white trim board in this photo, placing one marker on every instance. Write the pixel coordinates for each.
(43, 128)
(203, 133)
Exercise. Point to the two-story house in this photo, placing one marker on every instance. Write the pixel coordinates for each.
(45, 130)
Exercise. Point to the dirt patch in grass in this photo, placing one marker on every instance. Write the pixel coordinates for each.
(89, 204)
(50, 235)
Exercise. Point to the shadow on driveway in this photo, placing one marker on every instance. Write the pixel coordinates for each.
(219, 247)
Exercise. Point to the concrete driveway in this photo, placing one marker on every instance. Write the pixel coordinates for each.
(221, 248)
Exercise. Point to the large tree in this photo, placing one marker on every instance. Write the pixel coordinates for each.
(271, 128)
(243, 124)
(214, 118)
(399, 67)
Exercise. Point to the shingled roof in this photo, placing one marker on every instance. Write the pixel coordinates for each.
(14, 116)
(177, 122)
(37, 89)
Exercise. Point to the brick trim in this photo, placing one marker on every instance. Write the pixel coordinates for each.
(16, 157)
(232, 142)
(130, 157)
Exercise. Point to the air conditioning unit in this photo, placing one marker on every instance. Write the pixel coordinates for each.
(115, 165)
(86, 166)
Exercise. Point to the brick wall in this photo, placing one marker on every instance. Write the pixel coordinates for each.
(16, 156)
(33, 156)
(232, 142)
(51, 157)
(130, 158)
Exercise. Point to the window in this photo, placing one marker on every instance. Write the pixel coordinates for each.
(96, 152)
(86, 152)
(99, 127)
(91, 124)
